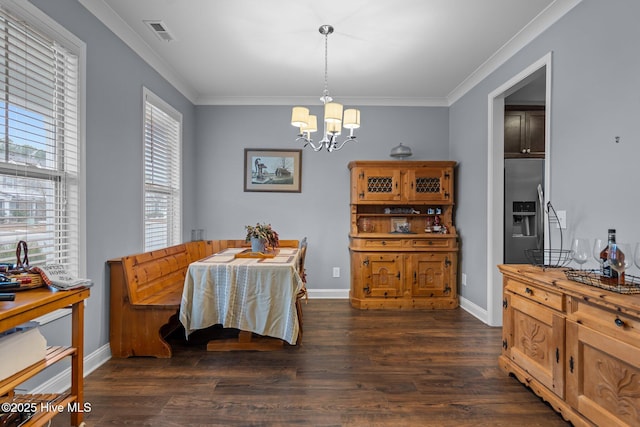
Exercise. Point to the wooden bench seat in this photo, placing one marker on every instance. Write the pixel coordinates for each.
(146, 290)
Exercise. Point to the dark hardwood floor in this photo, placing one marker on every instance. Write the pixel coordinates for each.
(353, 368)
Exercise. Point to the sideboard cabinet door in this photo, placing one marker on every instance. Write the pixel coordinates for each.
(537, 343)
(603, 377)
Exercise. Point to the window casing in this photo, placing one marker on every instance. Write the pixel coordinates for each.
(41, 160)
(162, 171)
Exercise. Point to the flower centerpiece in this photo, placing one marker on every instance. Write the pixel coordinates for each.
(261, 236)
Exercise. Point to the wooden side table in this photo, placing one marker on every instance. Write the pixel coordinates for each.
(32, 304)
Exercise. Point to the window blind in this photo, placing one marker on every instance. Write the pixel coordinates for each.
(39, 146)
(162, 200)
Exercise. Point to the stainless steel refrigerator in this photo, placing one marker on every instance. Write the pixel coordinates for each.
(523, 211)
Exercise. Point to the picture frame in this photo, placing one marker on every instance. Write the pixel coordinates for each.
(398, 225)
(272, 170)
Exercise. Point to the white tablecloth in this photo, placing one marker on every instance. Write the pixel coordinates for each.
(250, 294)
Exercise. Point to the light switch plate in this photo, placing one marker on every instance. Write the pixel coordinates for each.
(562, 219)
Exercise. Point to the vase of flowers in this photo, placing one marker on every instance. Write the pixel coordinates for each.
(262, 237)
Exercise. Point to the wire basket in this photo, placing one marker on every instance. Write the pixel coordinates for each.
(550, 258)
(631, 283)
(554, 258)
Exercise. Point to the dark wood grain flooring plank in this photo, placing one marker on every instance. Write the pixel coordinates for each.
(354, 368)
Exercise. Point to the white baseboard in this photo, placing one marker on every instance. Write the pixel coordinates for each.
(475, 310)
(62, 382)
(328, 293)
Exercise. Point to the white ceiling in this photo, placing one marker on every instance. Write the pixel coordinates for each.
(383, 52)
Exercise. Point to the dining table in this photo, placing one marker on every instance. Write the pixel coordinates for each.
(238, 289)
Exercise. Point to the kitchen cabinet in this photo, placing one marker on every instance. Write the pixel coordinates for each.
(415, 265)
(27, 306)
(576, 346)
(524, 132)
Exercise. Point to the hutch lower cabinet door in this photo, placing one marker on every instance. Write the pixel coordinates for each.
(432, 274)
(380, 274)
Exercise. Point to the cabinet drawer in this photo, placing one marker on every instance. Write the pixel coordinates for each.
(623, 327)
(542, 295)
(381, 243)
(431, 243)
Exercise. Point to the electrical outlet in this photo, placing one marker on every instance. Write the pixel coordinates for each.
(336, 271)
(464, 279)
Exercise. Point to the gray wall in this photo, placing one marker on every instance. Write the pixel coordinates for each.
(115, 77)
(321, 210)
(595, 97)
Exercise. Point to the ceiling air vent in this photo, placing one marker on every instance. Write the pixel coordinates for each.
(160, 30)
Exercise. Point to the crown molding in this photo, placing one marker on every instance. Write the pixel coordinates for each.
(120, 28)
(123, 31)
(311, 101)
(550, 15)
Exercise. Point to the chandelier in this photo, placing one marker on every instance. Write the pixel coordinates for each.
(334, 120)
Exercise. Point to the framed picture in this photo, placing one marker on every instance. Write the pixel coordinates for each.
(272, 170)
(399, 225)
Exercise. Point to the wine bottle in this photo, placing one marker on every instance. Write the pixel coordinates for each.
(607, 272)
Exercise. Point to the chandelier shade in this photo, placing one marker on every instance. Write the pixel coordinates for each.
(335, 116)
(351, 119)
(311, 126)
(333, 112)
(299, 116)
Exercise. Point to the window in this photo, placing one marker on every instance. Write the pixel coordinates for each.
(41, 184)
(162, 147)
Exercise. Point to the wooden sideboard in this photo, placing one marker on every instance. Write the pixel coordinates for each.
(402, 270)
(576, 346)
(27, 306)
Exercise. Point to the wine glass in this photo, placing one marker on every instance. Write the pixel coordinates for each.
(636, 259)
(619, 257)
(598, 246)
(580, 250)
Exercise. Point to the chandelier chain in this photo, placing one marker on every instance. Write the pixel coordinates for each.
(326, 67)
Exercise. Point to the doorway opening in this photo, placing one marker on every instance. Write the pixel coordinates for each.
(496, 181)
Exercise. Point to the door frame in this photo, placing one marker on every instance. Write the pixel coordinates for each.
(495, 178)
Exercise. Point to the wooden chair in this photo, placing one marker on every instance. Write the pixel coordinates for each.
(281, 244)
(303, 292)
(303, 253)
(288, 243)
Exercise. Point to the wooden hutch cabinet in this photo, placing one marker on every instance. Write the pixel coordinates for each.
(576, 346)
(395, 261)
